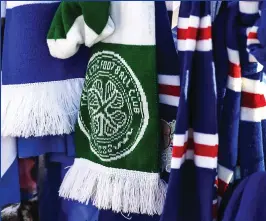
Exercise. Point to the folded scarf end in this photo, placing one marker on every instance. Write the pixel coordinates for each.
(120, 190)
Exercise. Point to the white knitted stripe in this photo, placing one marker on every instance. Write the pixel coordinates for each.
(205, 162)
(169, 79)
(3, 9)
(13, 4)
(78, 34)
(169, 100)
(40, 109)
(169, 5)
(235, 84)
(120, 190)
(253, 114)
(225, 174)
(252, 86)
(176, 7)
(233, 56)
(249, 7)
(139, 32)
(8, 153)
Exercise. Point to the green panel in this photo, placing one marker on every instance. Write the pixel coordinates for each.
(64, 18)
(141, 59)
(95, 14)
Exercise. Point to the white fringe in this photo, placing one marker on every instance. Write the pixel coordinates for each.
(40, 109)
(121, 190)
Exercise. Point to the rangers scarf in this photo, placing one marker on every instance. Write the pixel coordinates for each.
(243, 122)
(191, 191)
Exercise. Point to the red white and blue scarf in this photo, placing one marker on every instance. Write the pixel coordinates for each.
(243, 121)
(191, 190)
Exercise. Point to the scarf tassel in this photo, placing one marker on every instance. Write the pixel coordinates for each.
(121, 190)
(40, 109)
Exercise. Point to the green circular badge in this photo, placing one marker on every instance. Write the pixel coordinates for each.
(114, 110)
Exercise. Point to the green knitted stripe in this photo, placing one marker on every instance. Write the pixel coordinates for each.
(141, 59)
(64, 18)
(95, 16)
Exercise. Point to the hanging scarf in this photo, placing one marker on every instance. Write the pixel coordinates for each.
(9, 185)
(169, 83)
(243, 122)
(191, 190)
(257, 35)
(117, 135)
(41, 94)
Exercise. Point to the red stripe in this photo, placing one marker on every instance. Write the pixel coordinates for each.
(169, 90)
(189, 33)
(214, 210)
(251, 100)
(205, 150)
(216, 182)
(205, 33)
(222, 187)
(178, 151)
(190, 145)
(194, 33)
(234, 70)
(252, 35)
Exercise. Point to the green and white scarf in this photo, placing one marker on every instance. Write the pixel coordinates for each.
(117, 135)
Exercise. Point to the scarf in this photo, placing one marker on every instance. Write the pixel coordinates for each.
(41, 93)
(9, 185)
(169, 83)
(117, 145)
(247, 203)
(257, 35)
(243, 119)
(191, 188)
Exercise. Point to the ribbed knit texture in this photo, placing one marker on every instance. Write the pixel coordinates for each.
(117, 136)
(242, 127)
(191, 191)
(247, 201)
(41, 93)
(169, 83)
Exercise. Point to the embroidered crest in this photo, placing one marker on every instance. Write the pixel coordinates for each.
(167, 142)
(116, 114)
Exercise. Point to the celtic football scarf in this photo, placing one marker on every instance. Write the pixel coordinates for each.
(117, 164)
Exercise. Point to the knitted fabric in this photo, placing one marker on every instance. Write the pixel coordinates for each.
(117, 139)
(247, 203)
(9, 185)
(191, 192)
(169, 83)
(242, 128)
(61, 209)
(41, 94)
(257, 36)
